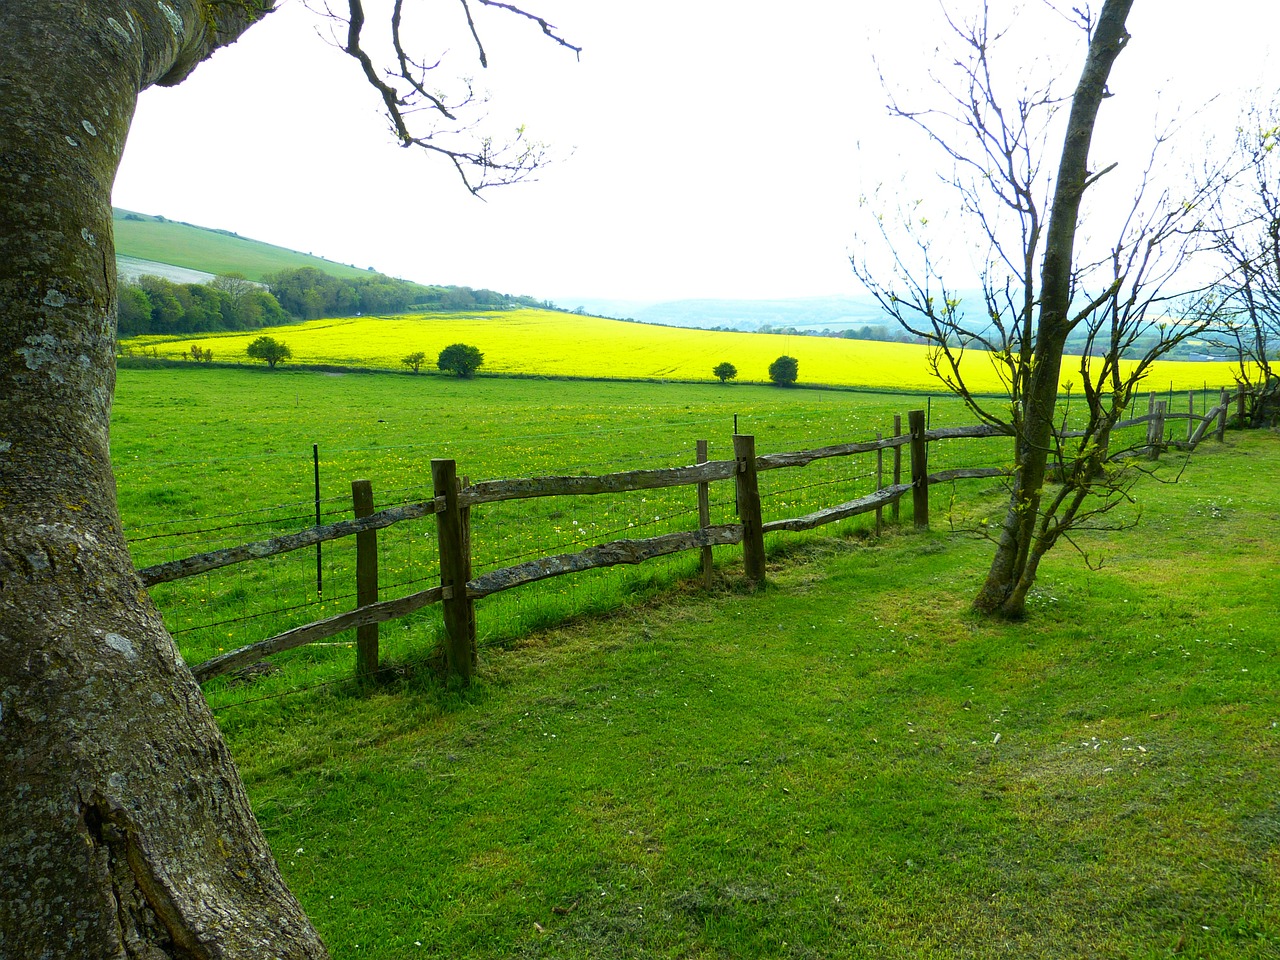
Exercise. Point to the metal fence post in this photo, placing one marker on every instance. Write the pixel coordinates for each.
(704, 517)
(879, 483)
(897, 463)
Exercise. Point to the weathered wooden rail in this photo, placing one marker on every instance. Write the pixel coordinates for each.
(453, 499)
(261, 549)
(495, 491)
(363, 616)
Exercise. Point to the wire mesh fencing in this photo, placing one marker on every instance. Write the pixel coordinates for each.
(223, 609)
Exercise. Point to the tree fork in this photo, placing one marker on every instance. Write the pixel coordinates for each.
(1000, 593)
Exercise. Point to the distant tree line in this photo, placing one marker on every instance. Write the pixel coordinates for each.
(309, 294)
(230, 302)
(865, 332)
(157, 305)
(465, 298)
(1191, 349)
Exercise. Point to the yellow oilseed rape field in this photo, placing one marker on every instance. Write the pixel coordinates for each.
(553, 344)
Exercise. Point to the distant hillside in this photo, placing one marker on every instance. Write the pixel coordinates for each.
(148, 238)
(186, 253)
(132, 269)
(806, 313)
(861, 315)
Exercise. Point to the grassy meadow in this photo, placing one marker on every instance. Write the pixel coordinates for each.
(211, 251)
(552, 344)
(207, 458)
(847, 764)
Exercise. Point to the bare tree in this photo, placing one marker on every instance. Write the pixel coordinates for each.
(1038, 285)
(124, 828)
(1246, 226)
(241, 294)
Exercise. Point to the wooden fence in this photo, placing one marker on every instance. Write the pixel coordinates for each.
(453, 499)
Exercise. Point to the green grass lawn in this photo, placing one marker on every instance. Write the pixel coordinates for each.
(211, 458)
(848, 764)
(209, 440)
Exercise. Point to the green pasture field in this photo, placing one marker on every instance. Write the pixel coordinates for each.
(209, 458)
(847, 764)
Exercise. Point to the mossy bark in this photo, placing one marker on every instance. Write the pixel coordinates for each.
(124, 828)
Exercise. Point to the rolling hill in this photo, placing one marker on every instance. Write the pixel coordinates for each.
(200, 249)
(184, 252)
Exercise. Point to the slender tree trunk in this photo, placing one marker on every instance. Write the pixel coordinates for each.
(1001, 592)
(124, 828)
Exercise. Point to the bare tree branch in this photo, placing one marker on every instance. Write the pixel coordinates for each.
(423, 116)
(1245, 224)
(1041, 284)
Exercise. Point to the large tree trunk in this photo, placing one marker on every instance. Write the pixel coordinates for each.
(124, 827)
(1013, 568)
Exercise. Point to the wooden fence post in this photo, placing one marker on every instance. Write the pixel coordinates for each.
(1155, 430)
(919, 469)
(744, 451)
(1240, 396)
(1224, 404)
(704, 517)
(879, 483)
(897, 463)
(1191, 409)
(454, 564)
(366, 580)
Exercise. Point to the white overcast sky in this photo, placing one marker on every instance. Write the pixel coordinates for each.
(706, 148)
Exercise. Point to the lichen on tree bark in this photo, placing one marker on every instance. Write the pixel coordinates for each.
(124, 828)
